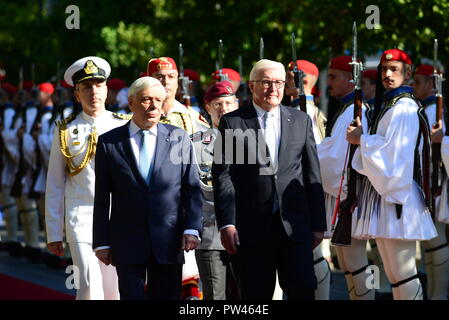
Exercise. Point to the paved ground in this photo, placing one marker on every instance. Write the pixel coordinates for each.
(40, 274)
(55, 279)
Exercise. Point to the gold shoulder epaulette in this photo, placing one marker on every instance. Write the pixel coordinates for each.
(122, 116)
(180, 120)
(63, 123)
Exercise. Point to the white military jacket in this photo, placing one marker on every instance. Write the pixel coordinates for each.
(74, 194)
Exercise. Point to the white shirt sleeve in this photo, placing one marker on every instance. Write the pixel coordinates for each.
(54, 195)
(192, 232)
(332, 152)
(387, 159)
(29, 149)
(11, 143)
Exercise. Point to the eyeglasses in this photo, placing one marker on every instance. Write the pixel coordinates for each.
(223, 103)
(268, 83)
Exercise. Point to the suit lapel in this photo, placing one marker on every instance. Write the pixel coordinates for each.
(252, 122)
(124, 148)
(162, 147)
(250, 118)
(286, 131)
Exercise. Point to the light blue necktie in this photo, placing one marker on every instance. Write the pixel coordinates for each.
(145, 156)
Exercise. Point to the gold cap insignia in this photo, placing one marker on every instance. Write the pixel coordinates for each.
(90, 67)
(164, 64)
(389, 56)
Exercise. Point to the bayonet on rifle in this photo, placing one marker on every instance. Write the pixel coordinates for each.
(343, 229)
(243, 83)
(261, 49)
(299, 78)
(185, 81)
(221, 75)
(357, 66)
(436, 147)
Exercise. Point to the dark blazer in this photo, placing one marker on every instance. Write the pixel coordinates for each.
(244, 197)
(145, 220)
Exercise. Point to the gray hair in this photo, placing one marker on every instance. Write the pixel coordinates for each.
(144, 83)
(265, 64)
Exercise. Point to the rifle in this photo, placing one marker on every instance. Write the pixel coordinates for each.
(243, 84)
(221, 75)
(261, 48)
(35, 89)
(16, 189)
(185, 81)
(35, 130)
(342, 233)
(58, 108)
(436, 147)
(299, 79)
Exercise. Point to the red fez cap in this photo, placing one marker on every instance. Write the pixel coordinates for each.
(8, 87)
(232, 74)
(161, 63)
(116, 84)
(306, 66)
(425, 70)
(395, 55)
(192, 74)
(27, 85)
(46, 87)
(370, 73)
(219, 89)
(341, 63)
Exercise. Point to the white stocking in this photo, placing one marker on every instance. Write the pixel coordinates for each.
(348, 275)
(399, 257)
(374, 256)
(356, 260)
(323, 275)
(429, 268)
(437, 264)
(10, 214)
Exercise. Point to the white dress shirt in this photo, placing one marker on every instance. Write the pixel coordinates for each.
(136, 138)
(276, 112)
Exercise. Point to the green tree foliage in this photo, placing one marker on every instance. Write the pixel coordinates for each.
(123, 31)
(129, 46)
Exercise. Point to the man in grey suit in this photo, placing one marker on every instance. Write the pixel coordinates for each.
(212, 259)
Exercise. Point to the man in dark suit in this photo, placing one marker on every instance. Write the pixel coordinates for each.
(144, 170)
(267, 190)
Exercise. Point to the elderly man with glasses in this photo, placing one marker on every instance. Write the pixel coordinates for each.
(269, 201)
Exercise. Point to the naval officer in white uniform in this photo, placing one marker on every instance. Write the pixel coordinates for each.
(71, 178)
